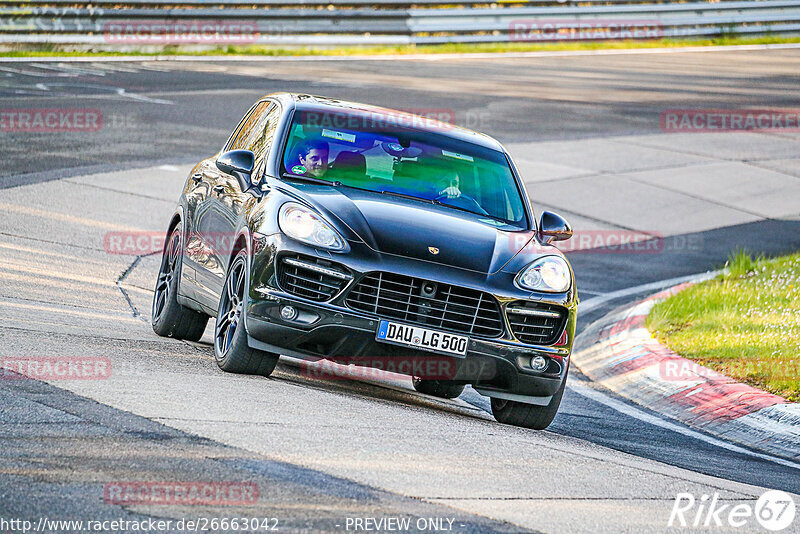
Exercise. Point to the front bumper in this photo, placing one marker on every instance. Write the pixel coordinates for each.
(332, 331)
(348, 337)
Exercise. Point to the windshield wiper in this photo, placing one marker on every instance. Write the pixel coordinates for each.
(310, 179)
(445, 204)
(410, 197)
(459, 208)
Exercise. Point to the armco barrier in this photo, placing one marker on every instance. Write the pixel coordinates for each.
(345, 22)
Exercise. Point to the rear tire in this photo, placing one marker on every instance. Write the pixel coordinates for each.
(438, 388)
(231, 350)
(169, 317)
(528, 415)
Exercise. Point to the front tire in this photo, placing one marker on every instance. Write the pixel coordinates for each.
(231, 350)
(169, 317)
(528, 415)
(438, 388)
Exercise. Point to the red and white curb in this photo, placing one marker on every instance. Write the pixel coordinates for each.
(623, 356)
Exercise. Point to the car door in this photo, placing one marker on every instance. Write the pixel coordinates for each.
(227, 201)
(197, 194)
(232, 201)
(203, 245)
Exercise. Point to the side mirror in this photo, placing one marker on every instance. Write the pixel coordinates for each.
(239, 164)
(553, 227)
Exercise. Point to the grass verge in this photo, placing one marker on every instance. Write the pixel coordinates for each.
(744, 324)
(459, 48)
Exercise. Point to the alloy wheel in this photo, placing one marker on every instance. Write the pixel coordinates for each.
(165, 275)
(231, 307)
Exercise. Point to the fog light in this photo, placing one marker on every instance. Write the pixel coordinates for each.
(538, 363)
(289, 313)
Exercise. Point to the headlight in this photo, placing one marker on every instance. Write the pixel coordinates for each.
(550, 273)
(303, 224)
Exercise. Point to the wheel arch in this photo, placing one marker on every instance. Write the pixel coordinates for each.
(242, 242)
(176, 219)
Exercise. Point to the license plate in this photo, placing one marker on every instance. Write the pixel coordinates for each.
(422, 338)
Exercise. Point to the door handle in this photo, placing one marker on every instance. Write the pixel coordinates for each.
(219, 189)
(197, 177)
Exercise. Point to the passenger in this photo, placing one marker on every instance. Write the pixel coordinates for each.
(450, 185)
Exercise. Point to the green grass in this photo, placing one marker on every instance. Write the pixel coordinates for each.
(744, 324)
(62, 51)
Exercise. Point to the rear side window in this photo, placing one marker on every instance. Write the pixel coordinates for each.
(251, 129)
(265, 128)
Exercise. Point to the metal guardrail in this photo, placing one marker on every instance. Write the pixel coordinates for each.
(349, 22)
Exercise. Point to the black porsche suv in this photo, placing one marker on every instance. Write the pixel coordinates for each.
(333, 230)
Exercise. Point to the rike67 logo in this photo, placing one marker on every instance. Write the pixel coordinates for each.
(774, 511)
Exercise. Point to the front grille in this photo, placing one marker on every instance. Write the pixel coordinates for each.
(536, 322)
(311, 278)
(427, 303)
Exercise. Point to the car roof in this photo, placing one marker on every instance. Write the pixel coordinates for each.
(323, 104)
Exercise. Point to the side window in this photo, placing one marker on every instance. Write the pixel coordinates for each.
(262, 143)
(245, 135)
(237, 132)
(257, 134)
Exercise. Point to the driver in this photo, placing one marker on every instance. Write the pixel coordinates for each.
(313, 156)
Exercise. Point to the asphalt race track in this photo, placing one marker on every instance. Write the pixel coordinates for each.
(586, 133)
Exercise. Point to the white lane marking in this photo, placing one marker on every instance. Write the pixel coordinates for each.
(25, 72)
(592, 303)
(142, 98)
(630, 411)
(37, 253)
(70, 69)
(415, 57)
(592, 292)
(63, 217)
(48, 309)
(171, 168)
(62, 89)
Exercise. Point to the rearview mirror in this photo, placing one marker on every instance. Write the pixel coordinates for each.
(239, 164)
(553, 227)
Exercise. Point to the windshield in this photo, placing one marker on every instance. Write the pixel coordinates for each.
(379, 153)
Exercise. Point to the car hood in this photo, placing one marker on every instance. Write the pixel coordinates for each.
(413, 229)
